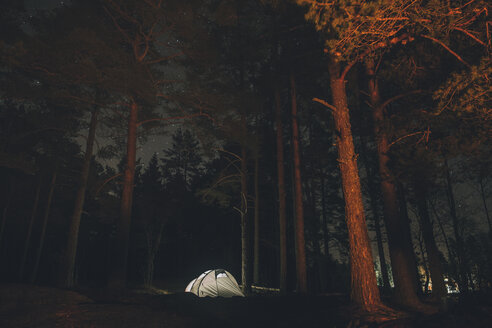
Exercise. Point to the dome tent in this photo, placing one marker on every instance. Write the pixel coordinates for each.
(214, 283)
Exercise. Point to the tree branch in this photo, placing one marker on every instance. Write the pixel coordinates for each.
(157, 119)
(106, 181)
(448, 49)
(158, 60)
(378, 45)
(404, 137)
(122, 31)
(390, 100)
(470, 35)
(325, 103)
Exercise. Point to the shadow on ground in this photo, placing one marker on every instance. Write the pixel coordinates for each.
(33, 306)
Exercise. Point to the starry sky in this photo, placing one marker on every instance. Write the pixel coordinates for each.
(154, 143)
(43, 4)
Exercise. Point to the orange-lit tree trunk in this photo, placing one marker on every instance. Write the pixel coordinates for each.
(281, 192)
(300, 243)
(68, 261)
(47, 209)
(399, 246)
(117, 279)
(435, 267)
(29, 230)
(364, 290)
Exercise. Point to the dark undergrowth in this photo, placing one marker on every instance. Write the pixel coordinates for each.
(35, 306)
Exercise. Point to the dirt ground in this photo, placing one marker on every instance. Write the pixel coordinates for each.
(35, 306)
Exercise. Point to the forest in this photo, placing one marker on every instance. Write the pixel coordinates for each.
(318, 150)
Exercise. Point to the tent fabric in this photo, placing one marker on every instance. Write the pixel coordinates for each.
(214, 283)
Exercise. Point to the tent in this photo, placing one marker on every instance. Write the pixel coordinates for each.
(214, 283)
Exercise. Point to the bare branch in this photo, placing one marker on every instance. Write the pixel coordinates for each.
(470, 35)
(230, 153)
(115, 22)
(448, 49)
(106, 181)
(159, 60)
(390, 100)
(158, 119)
(325, 103)
(404, 137)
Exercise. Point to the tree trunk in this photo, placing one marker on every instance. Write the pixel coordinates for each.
(299, 227)
(256, 253)
(68, 261)
(461, 263)
(399, 246)
(484, 201)
(281, 193)
(118, 274)
(10, 191)
(424, 261)
(435, 267)
(407, 232)
(244, 222)
(364, 289)
(43, 227)
(29, 231)
(324, 219)
(153, 245)
(441, 228)
(375, 210)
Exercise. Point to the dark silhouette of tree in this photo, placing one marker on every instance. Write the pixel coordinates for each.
(182, 161)
(281, 191)
(299, 221)
(151, 215)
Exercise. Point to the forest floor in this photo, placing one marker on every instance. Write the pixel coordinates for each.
(23, 306)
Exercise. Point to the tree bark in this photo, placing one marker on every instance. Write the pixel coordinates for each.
(435, 266)
(29, 231)
(281, 193)
(68, 261)
(256, 252)
(399, 246)
(118, 274)
(43, 227)
(299, 227)
(364, 289)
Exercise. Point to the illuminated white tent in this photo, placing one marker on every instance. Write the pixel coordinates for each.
(214, 283)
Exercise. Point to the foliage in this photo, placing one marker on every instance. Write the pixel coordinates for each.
(468, 92)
